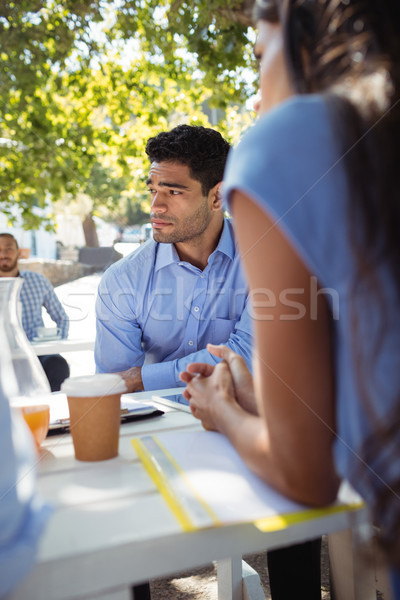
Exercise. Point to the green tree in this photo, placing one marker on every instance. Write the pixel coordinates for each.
(83, 84)
(37, 39)
(213, 32)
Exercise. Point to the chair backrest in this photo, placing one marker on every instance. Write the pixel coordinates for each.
(101, 257)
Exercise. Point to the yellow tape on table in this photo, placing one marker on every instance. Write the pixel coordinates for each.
(279, 522)
(187, 506)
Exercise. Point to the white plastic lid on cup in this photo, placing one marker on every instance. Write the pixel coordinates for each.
(101, 384)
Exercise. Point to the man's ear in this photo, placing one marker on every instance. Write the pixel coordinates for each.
(216, 197)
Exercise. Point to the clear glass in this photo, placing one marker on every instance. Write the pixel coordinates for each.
(8, 381)
(31, 379)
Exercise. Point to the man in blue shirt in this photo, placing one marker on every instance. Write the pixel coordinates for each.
(36, 292)
(159, 307)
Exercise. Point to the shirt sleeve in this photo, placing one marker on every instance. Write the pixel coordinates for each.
(22, 514)
(118, 343)
(55, 309)
(166, 374)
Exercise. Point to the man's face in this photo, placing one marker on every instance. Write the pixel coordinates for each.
(8, 254)
(179, 211)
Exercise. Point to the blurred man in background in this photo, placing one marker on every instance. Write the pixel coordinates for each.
(36, 292)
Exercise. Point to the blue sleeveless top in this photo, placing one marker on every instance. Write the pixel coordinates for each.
(291, 165)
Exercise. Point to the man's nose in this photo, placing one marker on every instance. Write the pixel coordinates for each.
(158, 203)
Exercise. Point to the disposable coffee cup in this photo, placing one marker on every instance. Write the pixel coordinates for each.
(95, 414)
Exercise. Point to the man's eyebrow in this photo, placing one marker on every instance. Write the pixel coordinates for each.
(168, 184)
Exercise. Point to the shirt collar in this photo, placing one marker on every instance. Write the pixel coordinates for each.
(226, 243)
(167, 255)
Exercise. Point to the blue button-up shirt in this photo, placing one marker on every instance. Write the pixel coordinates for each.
(36, 292)
(158, 312)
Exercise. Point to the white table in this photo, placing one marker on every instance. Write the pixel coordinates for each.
(61, 346)
(111, 528)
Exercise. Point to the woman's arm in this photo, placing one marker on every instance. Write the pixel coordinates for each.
(290, 443)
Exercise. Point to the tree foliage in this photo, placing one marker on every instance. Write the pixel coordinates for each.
(84, 84)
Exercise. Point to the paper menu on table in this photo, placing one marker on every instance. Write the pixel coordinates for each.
(205, 483)
(59, 411)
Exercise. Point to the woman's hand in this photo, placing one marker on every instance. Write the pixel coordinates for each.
(210, 393)
(241, 376)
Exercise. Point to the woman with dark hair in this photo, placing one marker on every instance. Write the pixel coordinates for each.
(314, 190)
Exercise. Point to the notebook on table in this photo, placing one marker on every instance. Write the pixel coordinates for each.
(131, 410)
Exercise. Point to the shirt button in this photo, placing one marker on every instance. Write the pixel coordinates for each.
(190, 342)
(196, 309)
(202, 276)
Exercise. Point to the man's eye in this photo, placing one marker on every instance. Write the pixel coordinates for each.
(175, 192)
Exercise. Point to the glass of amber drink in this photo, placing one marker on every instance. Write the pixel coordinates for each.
(36, 415)
(37, 418)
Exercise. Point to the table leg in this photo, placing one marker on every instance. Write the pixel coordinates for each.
(252, 588)
(229, 574)
(238, 581)
(352, 578)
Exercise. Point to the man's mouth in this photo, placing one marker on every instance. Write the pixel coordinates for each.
(5, 267)
(159, 224)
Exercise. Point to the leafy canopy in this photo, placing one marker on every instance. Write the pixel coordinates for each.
(84, 84)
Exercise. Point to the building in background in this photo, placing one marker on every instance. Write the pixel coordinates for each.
(39, 243)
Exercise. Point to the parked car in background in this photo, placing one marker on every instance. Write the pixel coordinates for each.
(131, 234)
(146, 232)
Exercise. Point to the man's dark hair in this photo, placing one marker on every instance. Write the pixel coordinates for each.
(10, 236)
(202, 149)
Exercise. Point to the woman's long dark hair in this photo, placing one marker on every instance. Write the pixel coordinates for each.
(349, 51)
